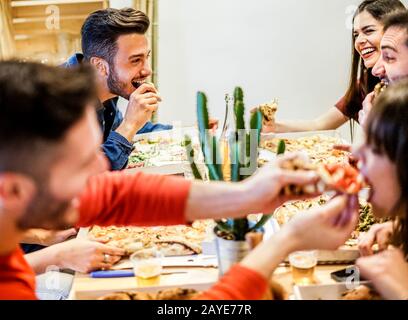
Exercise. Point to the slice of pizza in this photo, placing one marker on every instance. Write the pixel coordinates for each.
(116, 296)
(295, 164)
(341, 177)
(176, 294)
(380, 88)
(167, 294)
(128, 296)
(361, 293)
(129, 245)
(174, 246)
(268, 111)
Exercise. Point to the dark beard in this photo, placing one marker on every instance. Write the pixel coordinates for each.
(45, 212)
(116, 86)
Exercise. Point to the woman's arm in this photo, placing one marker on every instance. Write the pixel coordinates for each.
(333, 222)
(47, 237)
(330, 120)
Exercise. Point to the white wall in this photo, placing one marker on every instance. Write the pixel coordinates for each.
(120, 3)
(294, 50)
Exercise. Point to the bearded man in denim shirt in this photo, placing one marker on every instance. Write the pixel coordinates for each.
(114, 42)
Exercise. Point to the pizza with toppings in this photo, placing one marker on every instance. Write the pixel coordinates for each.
(340, 177)
(290, 209)
(171, 240)
(319, 148)
(155, 152)
(168, 294)
(362, 292)
(343, 178)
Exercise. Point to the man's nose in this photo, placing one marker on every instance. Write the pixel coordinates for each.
(147, 70)
(379, 69)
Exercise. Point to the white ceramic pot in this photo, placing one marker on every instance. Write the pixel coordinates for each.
(229, 252)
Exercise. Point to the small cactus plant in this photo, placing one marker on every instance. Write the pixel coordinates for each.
(243, 152)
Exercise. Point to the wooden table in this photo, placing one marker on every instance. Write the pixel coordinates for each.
(85, 287)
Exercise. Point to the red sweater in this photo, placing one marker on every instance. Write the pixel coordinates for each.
(147, 200)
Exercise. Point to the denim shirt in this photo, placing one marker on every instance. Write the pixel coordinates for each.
(116, 147)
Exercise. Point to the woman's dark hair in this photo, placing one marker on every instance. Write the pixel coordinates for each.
(361, 80)
(103, 27)
(387, 134)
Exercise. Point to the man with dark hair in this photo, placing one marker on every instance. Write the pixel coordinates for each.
(392, 66)
(114, 42)
(50, 165)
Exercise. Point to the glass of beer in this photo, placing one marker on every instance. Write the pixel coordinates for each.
(303, 264)
(147, 266)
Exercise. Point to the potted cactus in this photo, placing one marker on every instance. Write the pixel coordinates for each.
(232, 157)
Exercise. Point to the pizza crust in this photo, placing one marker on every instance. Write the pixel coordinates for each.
(168, 294)
(361, 293)
(380, 88)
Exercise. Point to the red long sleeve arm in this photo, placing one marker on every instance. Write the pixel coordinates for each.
(135, 199)
(239, 283)
(17, 279)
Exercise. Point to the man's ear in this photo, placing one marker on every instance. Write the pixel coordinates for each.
(16, 192)
(101, 66)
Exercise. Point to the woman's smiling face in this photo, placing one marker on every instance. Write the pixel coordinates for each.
(367, 33)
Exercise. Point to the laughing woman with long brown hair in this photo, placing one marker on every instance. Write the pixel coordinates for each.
(366, 37)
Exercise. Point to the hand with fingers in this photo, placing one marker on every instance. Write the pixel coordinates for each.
(268, 125)
(367, 106)
(388, 271)
(86, 256)
(143, 102)
(379, 234)
(271, 179)
(327, 227)
(347, 148)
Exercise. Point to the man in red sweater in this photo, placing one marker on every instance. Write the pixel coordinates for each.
(50, 165)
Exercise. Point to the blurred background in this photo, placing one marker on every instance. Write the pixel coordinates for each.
(297, 51)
